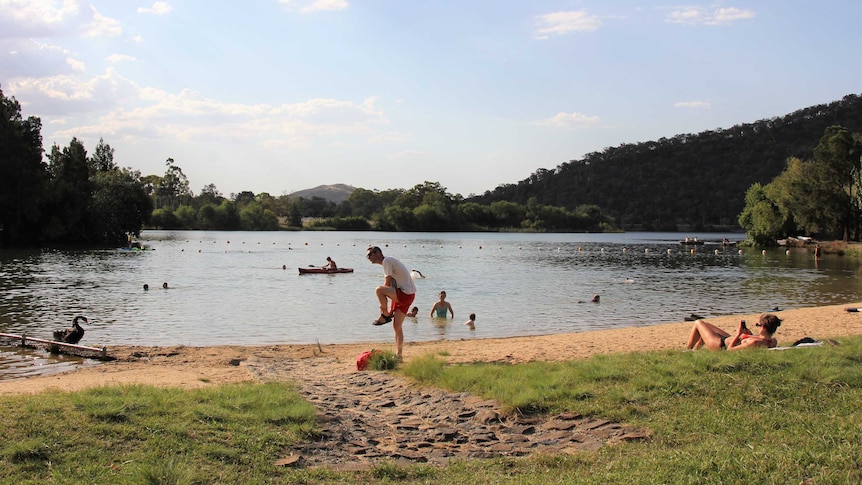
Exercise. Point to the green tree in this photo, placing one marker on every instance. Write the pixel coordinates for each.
(120, 205)
(761, 217)
(795, 193)
(23, 175)
(209, 195)
(165, 218)
(187, 217)
(207, 217)
(253, 217)
(294, 215)
(172, 187)
(365, 203)
(226, 216)
(507, 214)
(244, 198)
(69, 194)
(475, 214)
(102, 159)
(837, 158)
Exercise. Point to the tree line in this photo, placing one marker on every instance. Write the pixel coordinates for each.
(424, 207)
(686, 182)
(717, 179)
(76, 198)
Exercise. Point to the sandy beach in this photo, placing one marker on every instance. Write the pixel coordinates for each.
(194, 367)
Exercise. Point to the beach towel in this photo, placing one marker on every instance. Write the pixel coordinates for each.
(807, 342)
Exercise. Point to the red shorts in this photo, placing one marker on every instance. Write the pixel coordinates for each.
(403, 303)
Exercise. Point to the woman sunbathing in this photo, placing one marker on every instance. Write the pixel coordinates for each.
(705, 333)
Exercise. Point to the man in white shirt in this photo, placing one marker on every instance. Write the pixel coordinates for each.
(398, 288)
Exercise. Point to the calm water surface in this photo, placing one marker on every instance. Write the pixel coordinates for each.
(230, 288)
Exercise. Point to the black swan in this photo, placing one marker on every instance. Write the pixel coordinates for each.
(71, 335)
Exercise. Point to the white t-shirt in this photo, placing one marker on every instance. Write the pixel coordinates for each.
(396, 269)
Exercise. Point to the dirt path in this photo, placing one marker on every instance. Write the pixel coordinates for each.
(367, 417)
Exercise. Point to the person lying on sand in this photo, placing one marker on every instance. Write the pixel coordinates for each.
(705, 333)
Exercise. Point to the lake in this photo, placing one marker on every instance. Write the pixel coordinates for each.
(230, 288)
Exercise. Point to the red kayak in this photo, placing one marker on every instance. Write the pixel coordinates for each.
(324, 270)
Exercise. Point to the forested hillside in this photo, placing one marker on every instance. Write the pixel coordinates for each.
(694, 181)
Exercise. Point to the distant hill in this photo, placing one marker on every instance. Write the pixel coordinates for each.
(690, 181)
(336, 193)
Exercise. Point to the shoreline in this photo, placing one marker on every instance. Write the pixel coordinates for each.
(195, 367)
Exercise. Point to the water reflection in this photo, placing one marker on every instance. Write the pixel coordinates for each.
(20, 363)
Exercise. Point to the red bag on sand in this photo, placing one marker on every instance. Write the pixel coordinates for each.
(364, 358)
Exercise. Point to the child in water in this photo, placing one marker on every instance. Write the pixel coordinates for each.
(471, 322)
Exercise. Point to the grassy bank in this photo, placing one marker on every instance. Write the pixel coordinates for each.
(716, 417)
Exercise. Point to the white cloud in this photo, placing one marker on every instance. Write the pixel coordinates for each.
(705, 16)
(157, 8)
(101, 26)
(33, 59)
(76, 65)
(136, 114)
(115, 58)
(45, 18)
(561, 23)
(692, 104)
(568, 120)
(67, 95)
(308, 6)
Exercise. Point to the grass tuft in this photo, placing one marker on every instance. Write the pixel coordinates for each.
(383, 360)
(31, 449)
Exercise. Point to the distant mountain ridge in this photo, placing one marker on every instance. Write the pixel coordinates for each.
(687, 181)
(336, 193)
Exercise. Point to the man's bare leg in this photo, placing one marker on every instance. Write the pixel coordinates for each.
(385, 293)
(399, 334)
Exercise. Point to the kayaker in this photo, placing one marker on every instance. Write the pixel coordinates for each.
(330, 264)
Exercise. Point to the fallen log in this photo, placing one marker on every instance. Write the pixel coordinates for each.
(57, 347)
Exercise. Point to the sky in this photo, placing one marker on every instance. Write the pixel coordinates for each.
(283, 95)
